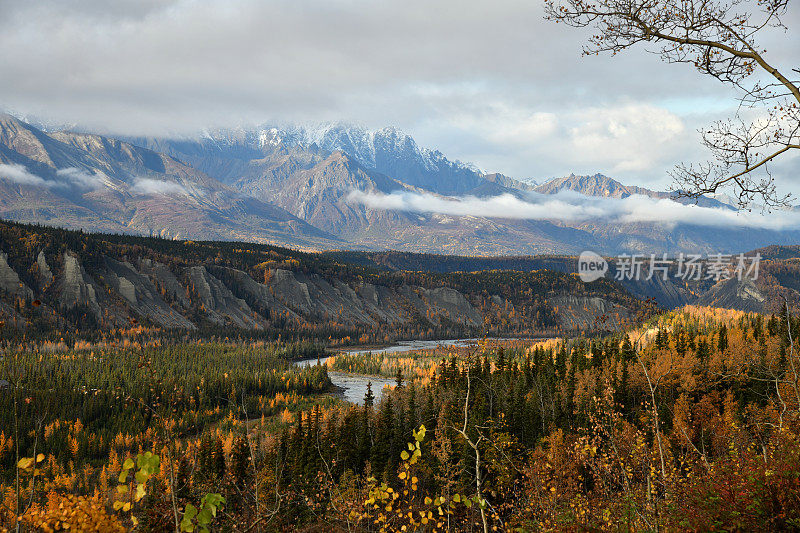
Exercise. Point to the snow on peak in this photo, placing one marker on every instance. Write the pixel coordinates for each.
(269, 137)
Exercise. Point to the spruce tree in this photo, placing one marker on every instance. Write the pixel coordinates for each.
(369, 397)
(240, 461)
(702, 352)
(722, 342)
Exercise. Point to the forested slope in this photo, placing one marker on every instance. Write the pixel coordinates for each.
(60, 280)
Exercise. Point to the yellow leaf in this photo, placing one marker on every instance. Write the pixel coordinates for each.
(40, 458)
(25, 463)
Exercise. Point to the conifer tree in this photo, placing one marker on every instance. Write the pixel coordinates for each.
(240, 461)
(369, 397)
(722, 342)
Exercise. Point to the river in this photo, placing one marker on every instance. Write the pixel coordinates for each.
(354, 386)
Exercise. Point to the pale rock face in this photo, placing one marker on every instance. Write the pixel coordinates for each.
(747, 290)
(443, 301)
(76, 289)
(362, 304)
(188, 297)
(292, 290)
(127, 290)
(370, 293)
(44, 269)
(9, 280)
(164, 277)
(454, 304)
(138, 289)
(582, 312)
(736, 294)
(221, 306)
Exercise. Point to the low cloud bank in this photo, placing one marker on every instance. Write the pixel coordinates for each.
(19, 174)
(65, 177)
(76, 178)
(576, 208)
(80, 178)
(148, 186)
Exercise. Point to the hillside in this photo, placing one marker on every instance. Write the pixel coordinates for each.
(779, 276)
(96, 183)
(54, 279)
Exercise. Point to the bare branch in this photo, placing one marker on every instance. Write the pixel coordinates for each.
(718, 38)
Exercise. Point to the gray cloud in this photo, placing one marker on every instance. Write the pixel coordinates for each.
(79, 178)
(147, 186)
(19, 174)
(481, 81)
(573, 207)
(65, 177)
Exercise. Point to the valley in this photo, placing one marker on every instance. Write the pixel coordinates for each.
(297, 387)
(399, 267)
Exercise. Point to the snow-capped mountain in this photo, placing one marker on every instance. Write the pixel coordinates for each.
(79, 180)
(387, 150)
(602, 186)
(312, 171)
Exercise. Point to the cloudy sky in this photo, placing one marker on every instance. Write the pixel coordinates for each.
(489, 82)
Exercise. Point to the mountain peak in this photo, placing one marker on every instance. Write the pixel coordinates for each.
(590, 185)
(387, 150)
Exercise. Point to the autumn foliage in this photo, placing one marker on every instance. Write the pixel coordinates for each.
(688, 422)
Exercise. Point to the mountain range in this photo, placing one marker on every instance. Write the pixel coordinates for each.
(292, 185)
(96, 183)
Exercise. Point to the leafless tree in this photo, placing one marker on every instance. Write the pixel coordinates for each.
(474, 444)
(718, 38)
